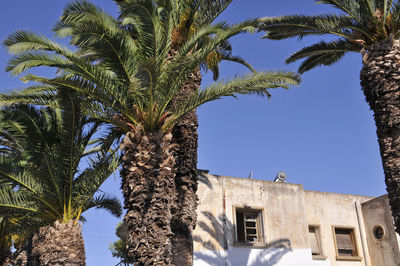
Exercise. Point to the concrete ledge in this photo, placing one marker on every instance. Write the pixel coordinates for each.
(319, 257)
(349, 258)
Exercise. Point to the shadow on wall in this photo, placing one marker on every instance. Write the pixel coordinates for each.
(203, 178)
(216, 251)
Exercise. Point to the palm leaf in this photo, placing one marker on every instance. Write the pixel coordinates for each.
(255, 83)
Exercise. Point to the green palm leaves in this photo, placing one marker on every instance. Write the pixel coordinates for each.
(125, 67)
(40, 180)
(362, 24)
(190, 21)
(125, 72)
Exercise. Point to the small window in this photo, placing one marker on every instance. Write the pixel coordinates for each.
(248, 226)
(314, 240)
(379, 232)
(345, 243)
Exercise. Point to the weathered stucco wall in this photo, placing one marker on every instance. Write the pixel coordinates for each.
(209, 233)
(287, 211)
(284, 223)
(283, 209)
(330, 209)
(384, 252)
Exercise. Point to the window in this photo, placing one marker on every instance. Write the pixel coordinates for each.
(345, 242)
(379, 232)
(314, 240)
(249, 226)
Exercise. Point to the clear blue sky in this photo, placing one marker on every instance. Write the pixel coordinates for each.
(321, 133)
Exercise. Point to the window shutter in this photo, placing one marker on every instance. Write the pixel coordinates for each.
(314, 242)
(344, 241)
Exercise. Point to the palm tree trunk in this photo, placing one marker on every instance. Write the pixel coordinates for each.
(5, 255)
(380, 81)
(148, 187)
(184, 208)
(58, 244)
(21, 255)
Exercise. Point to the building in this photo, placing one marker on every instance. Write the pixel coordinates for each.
(253, 222)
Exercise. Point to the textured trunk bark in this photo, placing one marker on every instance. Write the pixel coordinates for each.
(148, 187)
(21, 258)
(5, 243)
(380, 81)
(58, 244)
(5, 255)
(21, 255)
(184, 208)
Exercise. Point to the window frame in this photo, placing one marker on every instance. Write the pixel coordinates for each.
(383, 232)
(317, 229)
(260, 225)
(356, 256)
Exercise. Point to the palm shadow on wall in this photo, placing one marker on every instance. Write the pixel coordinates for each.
(268, 255)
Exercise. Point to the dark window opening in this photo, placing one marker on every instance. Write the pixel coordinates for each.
(379, 232)
(248, 226)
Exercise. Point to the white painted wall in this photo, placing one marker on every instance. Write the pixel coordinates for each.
(257, 257)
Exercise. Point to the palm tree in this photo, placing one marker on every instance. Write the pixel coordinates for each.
(372, 28)
(44, 184)
(5, 242)
(11, 227)
(130, 82)
(188, 19)
(14, 235)
(119, 249)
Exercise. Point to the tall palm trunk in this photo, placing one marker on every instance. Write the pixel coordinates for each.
(5, 243)
(5, 255)
(184, 209)
(380, 81)
(148, 187)
(58, 244)
(21, 255)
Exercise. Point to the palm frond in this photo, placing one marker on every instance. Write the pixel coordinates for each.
(364, 23)
(35, 95)
(255, 83)
(14, 201)
(87, 183)
(300, 26)
(41, 179)
(90, 28)
(322, 53)
(105, 202)
(209, 10)
(352, 8)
